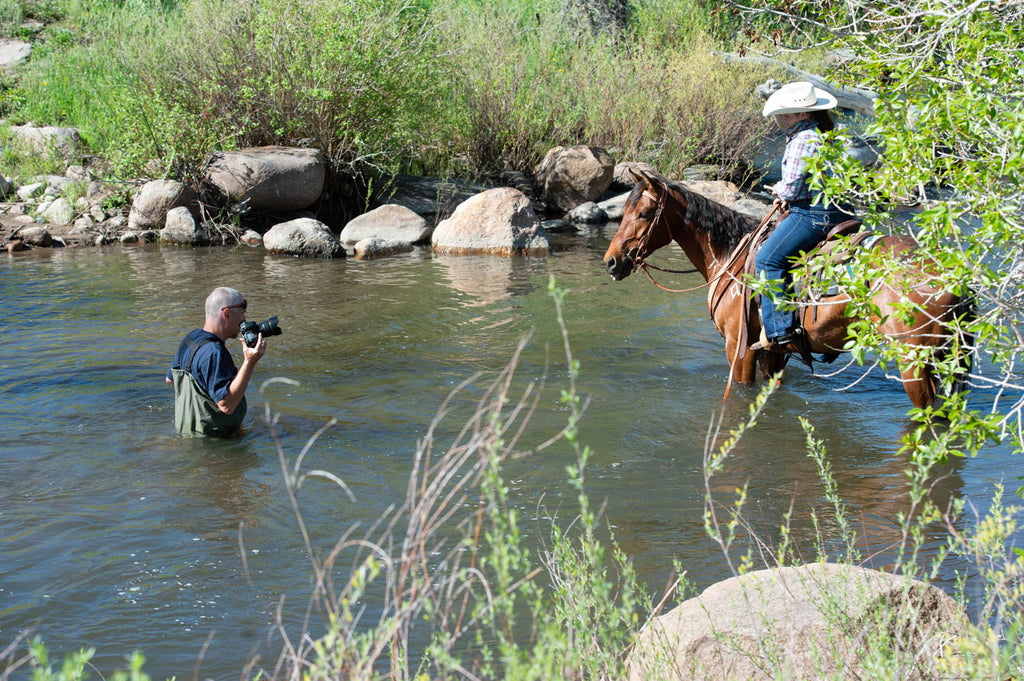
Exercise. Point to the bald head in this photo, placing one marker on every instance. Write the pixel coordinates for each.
(220, 298)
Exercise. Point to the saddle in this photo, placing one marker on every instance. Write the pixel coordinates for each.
(838, 247)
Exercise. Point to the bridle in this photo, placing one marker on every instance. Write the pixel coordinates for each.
(640, 263)
(724, 270)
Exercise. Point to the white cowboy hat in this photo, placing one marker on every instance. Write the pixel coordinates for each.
(797, 97)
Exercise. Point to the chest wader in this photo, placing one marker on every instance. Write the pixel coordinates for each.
(195, 412)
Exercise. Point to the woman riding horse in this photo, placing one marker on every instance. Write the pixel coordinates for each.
(908, 305)
(802, 111)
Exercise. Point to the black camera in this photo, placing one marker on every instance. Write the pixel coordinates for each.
(251, 330)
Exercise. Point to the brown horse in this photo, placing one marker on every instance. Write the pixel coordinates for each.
(715, 239)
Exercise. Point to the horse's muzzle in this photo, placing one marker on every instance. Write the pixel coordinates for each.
(619, 268)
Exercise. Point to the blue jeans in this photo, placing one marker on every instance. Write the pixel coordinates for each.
(804, 228)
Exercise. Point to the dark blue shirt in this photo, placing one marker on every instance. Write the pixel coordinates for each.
(212, 366)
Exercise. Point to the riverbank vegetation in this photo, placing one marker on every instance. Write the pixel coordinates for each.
(436, 87)
(449, 87)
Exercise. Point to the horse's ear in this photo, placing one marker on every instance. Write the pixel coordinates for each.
(641, 177)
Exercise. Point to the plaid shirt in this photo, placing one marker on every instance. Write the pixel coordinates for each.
(802, 140)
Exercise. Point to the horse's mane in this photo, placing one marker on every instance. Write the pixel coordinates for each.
(724, 226)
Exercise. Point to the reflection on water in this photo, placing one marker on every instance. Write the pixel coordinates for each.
(117, 534)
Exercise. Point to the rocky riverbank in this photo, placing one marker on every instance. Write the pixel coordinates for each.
(573, 186)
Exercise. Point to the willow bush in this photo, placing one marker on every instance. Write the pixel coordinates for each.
(528, 84)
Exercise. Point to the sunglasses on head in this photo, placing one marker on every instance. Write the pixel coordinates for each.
(242, 305)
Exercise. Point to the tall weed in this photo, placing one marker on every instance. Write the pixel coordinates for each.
(528, 84)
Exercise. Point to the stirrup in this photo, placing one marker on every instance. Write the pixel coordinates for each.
(779, 343)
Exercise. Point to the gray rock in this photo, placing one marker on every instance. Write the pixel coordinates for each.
(751, 206)
(79, 174)
(588, 213)
(13, 52)
(181, 229)
(378, 248)
(84, 223)
(614, 206)
(555, 226)
(805, 622)
(569, 176)
(98, 192)
(269, 178)
(498, 221)
(305, 237)
(387, 223)
(66, 142)
(130, 238)
(36, 235)
(251, 238)
(155, 200)
(27, 191)
(623, 180)
(59, 213)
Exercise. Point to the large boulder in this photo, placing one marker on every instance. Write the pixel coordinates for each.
(807, 622)
(498, 221)
(730, 196)
(388, 223)
(269, 178)
(305, 237)
(180, 228)
(569, 176)
(622, 176)
(67, 142)
(155, 199)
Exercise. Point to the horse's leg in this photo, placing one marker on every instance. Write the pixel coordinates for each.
(919, 384)
(771, 363)
(741, 369)
(926, 333)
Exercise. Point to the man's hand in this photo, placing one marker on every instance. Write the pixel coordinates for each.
(254, 353)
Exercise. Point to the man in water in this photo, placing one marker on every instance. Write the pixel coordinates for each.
(209, 391)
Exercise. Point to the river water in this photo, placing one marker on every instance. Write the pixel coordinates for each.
(119, 535)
